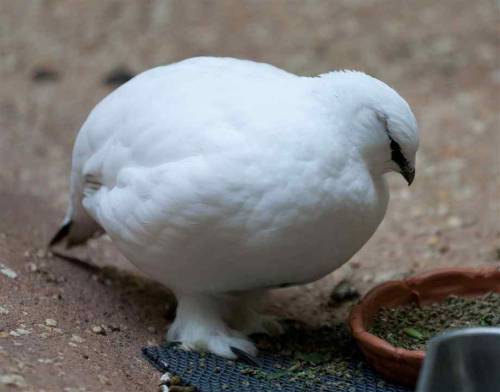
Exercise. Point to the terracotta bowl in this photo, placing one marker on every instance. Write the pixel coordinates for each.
(401, 365)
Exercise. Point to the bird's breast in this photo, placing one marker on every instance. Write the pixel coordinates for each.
(323, 229)
(244, 234)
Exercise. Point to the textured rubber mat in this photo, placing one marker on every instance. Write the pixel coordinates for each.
(341, 366)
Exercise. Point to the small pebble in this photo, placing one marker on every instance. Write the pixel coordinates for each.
(77, 339)
(454, 222)
(3, 310)
(97, 329)
(389, 275)
(8, 272)
(165, 378)
(367, 278)
(51, 322)
(32, 267)
(19, 332)
(103, 379)
(13, 380)
(343, 291)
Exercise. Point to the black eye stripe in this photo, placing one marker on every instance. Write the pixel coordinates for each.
(396, 154)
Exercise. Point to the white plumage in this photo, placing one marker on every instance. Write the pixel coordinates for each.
(221, 177)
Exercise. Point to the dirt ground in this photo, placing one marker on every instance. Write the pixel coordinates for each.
(65, 328)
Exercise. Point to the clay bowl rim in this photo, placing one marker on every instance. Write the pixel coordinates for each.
(382, 347)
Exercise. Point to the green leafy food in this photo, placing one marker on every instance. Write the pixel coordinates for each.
(411, 326)
(312, 353)
(414, 333)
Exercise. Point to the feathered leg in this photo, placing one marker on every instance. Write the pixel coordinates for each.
(246, 318)
(200, 325)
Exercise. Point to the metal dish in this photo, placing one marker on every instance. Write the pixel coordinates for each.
(466, 360)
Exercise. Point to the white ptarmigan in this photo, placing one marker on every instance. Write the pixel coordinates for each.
(221, 178)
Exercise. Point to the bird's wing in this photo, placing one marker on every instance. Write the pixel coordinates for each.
(174, 119)
(166, 201)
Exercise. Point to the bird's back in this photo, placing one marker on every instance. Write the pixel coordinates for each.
(197, 106)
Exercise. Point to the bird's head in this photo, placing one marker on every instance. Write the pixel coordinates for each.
(383, 127)
(400, 134)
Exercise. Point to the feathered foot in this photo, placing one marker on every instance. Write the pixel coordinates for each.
(199, 325)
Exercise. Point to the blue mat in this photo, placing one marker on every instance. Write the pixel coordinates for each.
(323, 359)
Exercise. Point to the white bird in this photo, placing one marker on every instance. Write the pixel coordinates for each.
(221, 178)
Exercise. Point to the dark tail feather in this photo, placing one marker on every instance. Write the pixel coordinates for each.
(61, 234)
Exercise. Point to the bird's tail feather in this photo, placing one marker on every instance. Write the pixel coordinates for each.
(61, 234)
(78, 226)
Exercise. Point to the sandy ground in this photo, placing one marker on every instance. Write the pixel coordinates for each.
(442, 56)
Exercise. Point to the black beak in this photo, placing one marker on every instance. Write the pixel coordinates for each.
(408, 173)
